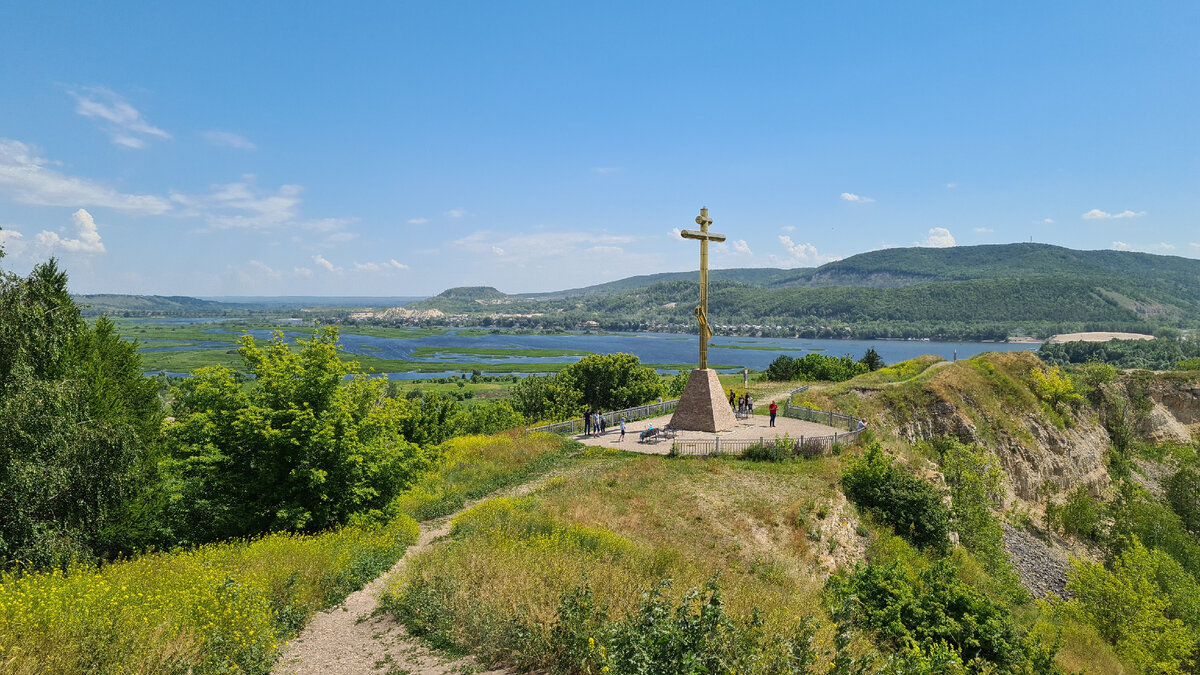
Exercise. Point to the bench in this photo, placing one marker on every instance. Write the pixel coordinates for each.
(649, 434)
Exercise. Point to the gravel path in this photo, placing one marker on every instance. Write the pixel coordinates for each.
(353, 638)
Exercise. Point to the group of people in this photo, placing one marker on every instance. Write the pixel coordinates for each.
(744, 404)
(594, 424)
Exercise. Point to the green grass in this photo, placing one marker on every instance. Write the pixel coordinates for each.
(470, 467)
(621, 523)
(218, 608)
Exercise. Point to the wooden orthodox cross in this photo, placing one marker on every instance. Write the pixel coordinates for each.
(702, 309)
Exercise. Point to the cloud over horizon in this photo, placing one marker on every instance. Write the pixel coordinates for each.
(1097, 214)
(851, 197)
(939, 237)
(87, 238)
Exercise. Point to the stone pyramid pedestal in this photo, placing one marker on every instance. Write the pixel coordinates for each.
(703, 406)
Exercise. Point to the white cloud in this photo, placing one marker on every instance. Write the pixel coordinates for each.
(244, 205)
(951, 186)
(456, 213)
(605, 169)
(851, 197)
(366, 267)
(87, 236)
(522, 248)
(1097, 214)
(325, 264)
(123, 123)
(388, 266)
(228, 139)
(984, 230)
(302, 272)
(939, 237)
(1194, 245)
(1048, 221)
(676, 233)
(417, 221)
(397, 265)
(1161, 248)
(803, 253)
(9, 243)
(788, 228)
(742, 247)
(24, 176)
(341, 237)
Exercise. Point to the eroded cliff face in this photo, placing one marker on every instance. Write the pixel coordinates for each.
(987, 401)
(1032, 449)
(1175, 415)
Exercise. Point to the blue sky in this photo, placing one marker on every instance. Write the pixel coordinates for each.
(294, 148)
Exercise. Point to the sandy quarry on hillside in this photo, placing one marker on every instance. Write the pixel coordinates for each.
(1097, 337)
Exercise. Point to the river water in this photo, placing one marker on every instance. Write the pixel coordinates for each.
(733, 352)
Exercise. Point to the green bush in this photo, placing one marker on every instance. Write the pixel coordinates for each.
(937, 612)
(1080, 515)
(301, 450)
(1183, 494)
(814, 366)
(895, 497)
(1140, 606)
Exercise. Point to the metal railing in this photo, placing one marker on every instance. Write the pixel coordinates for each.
(640, 412)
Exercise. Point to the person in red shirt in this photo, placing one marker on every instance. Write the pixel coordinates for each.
(774, 410)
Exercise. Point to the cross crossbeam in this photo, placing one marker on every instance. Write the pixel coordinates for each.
(704, 236)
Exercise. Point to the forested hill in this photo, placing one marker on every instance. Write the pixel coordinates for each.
(972, 292)
(908, 266)
(151, 305)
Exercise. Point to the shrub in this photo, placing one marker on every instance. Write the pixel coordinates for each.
(935, 610)
(1183, 494)
(1080, 515)
(893, 496)
(1131, 609)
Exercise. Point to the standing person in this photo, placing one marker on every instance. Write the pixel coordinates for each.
(774, 410)
(603, 425)
(587, 423)
(596, 423)
(731, 398)
(622, 428)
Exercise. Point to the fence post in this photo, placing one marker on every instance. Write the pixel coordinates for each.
(718, 450)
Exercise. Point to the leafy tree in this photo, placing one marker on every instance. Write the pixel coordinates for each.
(976, 484)
(895, 497)
(545, 397)
(78, 426)
(488, 418)
(1130, 608)
(677, 384)
(300, 450)
(814, 366)
(612, 381)
(1080, 514)
(1183, 494)
(1053, 386)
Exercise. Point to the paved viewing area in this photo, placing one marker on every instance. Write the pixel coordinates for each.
(749, 429)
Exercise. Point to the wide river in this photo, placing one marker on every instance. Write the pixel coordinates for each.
(742, 352)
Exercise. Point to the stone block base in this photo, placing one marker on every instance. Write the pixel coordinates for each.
(703, 405)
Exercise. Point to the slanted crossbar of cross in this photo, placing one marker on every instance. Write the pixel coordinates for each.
(702, 309)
